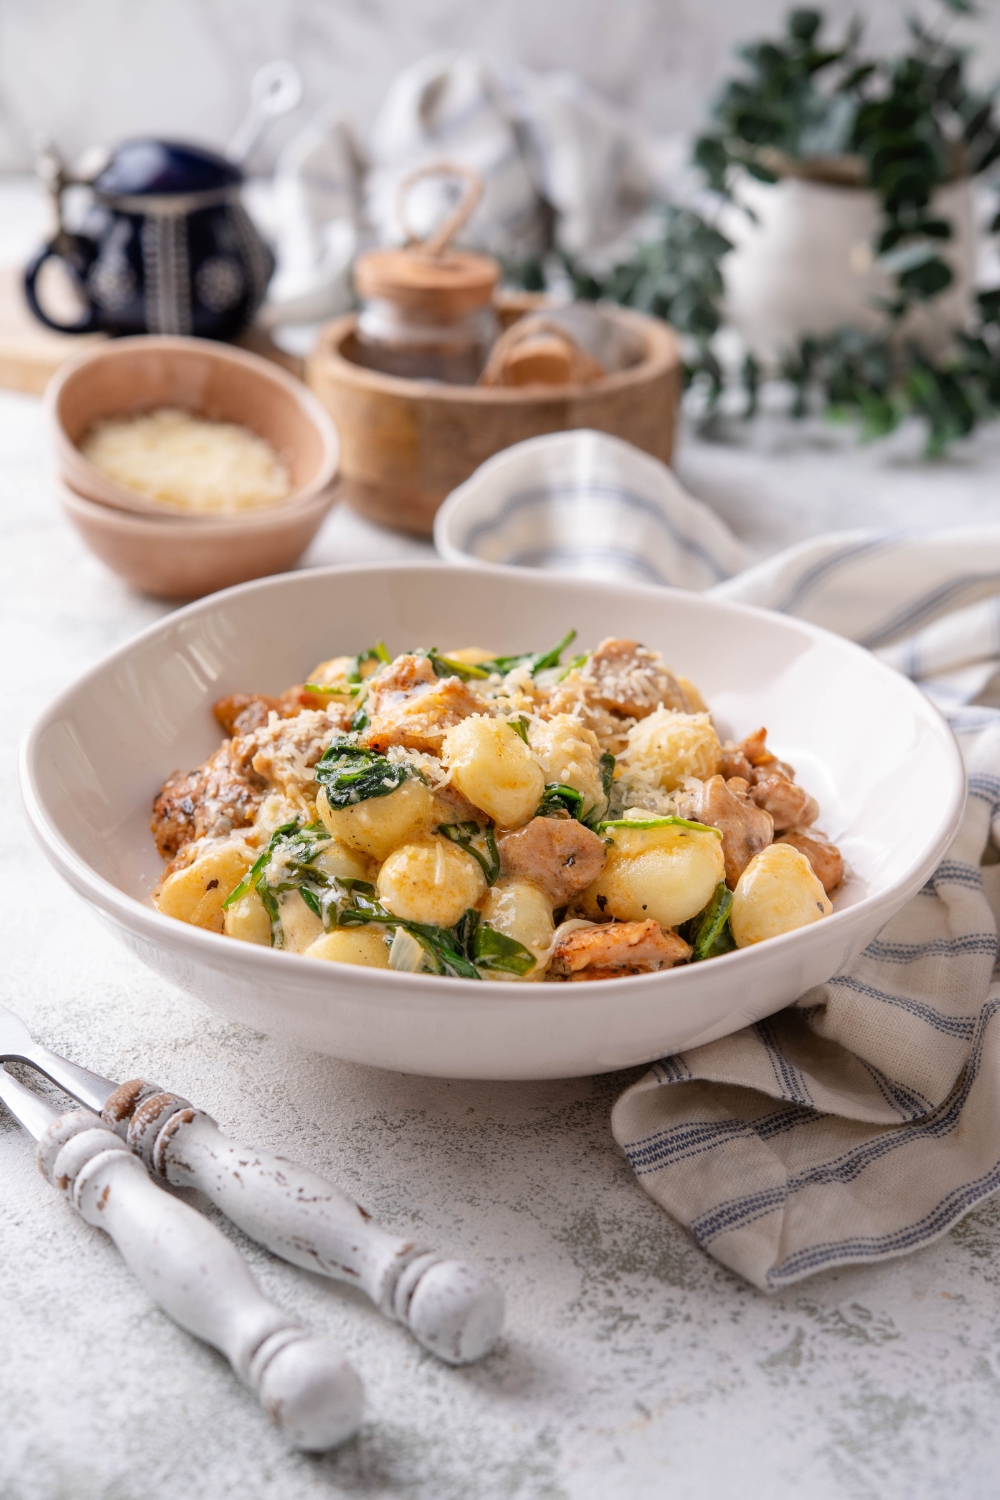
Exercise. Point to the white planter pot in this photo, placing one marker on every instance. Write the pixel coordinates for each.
(807, 265)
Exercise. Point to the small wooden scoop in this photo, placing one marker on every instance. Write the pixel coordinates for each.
(539, 351)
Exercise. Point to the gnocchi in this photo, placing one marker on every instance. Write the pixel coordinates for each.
(668, 747)
(666, 873)
(432, 881)
(521, 911)
(248, 920)
(570, 754)
(776, 893)
(476, 816)
(379, 825)
(195, 894)
(362, 946)
(492, 766)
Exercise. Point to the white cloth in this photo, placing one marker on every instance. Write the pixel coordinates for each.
(863, 1121)
(315, 215)
(557, 161)
(927, 603)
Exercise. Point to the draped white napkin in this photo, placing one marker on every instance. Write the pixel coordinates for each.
(863, 1121)
(553, 155)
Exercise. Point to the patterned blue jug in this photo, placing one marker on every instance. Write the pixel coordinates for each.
(166, 247)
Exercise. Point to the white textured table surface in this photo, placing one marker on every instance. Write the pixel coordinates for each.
(633, 1365)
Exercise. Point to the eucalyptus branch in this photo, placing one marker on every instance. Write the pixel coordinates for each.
(902, 127)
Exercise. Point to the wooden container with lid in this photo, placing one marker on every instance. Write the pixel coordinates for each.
(427, 310)
(406, 444)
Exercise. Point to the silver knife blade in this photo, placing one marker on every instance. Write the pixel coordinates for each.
(35, 1115)
(18, 1045)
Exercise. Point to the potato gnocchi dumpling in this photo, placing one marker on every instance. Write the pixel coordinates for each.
(669, 873)
(776, 893)
(668, 747)
(532, 817)
(570, 755)
(492, 766)
(381, 824)
(363, 946)
(520, 909)
(432, 881)
(196, 893)
(247, 920)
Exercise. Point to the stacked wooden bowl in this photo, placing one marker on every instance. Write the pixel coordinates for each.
(406, 444)
(160, 550)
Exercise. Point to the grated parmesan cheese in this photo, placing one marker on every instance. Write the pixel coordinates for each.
(175, 458)
(429, 766)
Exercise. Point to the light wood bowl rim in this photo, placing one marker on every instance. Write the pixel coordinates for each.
(662, 357)
(177, 527)
(114, 496)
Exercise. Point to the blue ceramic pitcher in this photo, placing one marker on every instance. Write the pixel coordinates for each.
(167, 246)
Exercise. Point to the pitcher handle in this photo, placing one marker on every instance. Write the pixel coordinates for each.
(69, 249)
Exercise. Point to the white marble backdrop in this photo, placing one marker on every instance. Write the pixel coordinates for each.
(85, 71)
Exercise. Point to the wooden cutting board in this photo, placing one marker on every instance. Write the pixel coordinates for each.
(31, 353)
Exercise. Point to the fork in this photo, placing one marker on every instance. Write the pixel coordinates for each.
(451, 1308)
(193, 1272)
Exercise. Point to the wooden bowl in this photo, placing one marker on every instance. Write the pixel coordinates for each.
(406, 444)
(185, 559)
(126, 376)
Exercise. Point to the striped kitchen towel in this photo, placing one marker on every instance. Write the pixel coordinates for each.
(863, 1121)
(581, 502)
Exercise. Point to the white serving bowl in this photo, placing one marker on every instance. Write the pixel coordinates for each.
(865, 741)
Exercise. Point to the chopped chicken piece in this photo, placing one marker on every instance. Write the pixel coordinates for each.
(221, 795)
(558, 855)
(617, 949)
(284, 752)
(740, 760)
(789, 805)
(409, 705)
(610, 731)
(242, 713)
(626, 679)
(746, 828)
(752, 760)
(226, 792)
(401, 676)
(825, 858)
(735, 764)
(453, 807)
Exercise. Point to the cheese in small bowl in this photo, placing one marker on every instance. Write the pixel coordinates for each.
(187, 462)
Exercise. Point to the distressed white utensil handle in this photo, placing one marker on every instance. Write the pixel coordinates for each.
(202, 1282)
(452, 1309)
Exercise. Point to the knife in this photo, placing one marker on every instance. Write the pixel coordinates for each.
(451, 1309)
(192, 1271)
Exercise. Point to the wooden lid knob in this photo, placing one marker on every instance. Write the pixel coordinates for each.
(448, 285)
(428, 279)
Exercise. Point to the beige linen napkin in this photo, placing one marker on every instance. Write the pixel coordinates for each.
(863, 1121)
